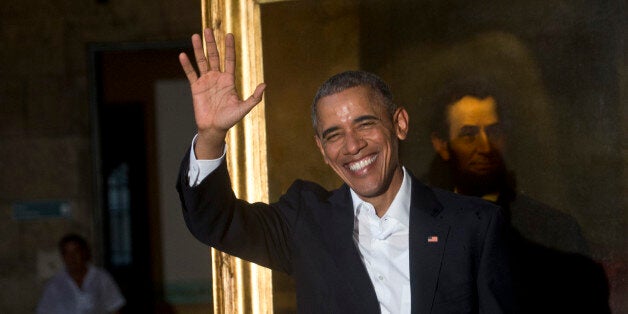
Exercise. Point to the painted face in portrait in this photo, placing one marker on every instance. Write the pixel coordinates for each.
(360, 142)
(476, 142)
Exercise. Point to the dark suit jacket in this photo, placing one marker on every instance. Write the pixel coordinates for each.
(308, 234)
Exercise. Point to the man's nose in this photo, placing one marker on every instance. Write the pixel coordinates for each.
(354, 143)
(483, 142)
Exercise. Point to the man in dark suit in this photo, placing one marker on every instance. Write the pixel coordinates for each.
(381, 243)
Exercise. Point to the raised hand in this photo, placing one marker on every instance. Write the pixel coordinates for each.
(217, 106)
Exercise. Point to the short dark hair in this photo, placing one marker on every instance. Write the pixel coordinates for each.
(348, 79)
(453, 91)
(74, 238)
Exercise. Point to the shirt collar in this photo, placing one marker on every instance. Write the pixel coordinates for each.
(399, 208)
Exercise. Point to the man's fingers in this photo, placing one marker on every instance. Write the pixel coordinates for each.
(199, 54)
(188, 68)
(256, 97)
(212, 50)
(229, 54)
(259, 92)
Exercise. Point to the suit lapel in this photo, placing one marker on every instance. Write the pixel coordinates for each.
(428, 237)
(427, 240)
(346, 253)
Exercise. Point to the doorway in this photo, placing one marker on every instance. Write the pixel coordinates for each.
(125, 84)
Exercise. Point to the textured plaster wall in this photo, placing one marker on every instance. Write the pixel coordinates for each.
(45, 145)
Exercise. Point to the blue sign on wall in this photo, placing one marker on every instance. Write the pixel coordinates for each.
(41, 210)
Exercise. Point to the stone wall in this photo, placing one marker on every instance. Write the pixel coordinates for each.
(45, 144)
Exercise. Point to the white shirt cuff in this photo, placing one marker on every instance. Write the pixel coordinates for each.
(200, 169)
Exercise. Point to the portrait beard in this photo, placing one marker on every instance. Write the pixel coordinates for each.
(475, 184)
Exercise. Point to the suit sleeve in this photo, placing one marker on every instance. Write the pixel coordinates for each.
(255, 232)
(494, 277)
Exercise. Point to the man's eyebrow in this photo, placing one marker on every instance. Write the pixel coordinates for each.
(469, 126)
(365, 118)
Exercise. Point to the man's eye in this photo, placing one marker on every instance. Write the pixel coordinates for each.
(468, 132)
(366, 124)
(332, 137)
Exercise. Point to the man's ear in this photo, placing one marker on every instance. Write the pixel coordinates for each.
(320, 147)
(440, 146)
(402, 123)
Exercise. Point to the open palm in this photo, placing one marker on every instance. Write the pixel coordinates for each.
(217, 106)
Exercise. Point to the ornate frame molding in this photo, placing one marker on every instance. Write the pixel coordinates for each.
(240, 286)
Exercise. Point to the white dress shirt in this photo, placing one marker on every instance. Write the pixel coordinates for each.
(383, 242)
(98, 294)
(200, 169)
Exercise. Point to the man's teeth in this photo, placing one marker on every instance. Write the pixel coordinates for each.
(362, 163)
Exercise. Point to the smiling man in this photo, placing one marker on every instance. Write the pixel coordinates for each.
(381, 243)
(358, 132)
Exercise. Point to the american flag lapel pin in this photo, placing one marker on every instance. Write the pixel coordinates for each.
(432, 239)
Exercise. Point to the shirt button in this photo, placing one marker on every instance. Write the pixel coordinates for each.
(380, 277)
